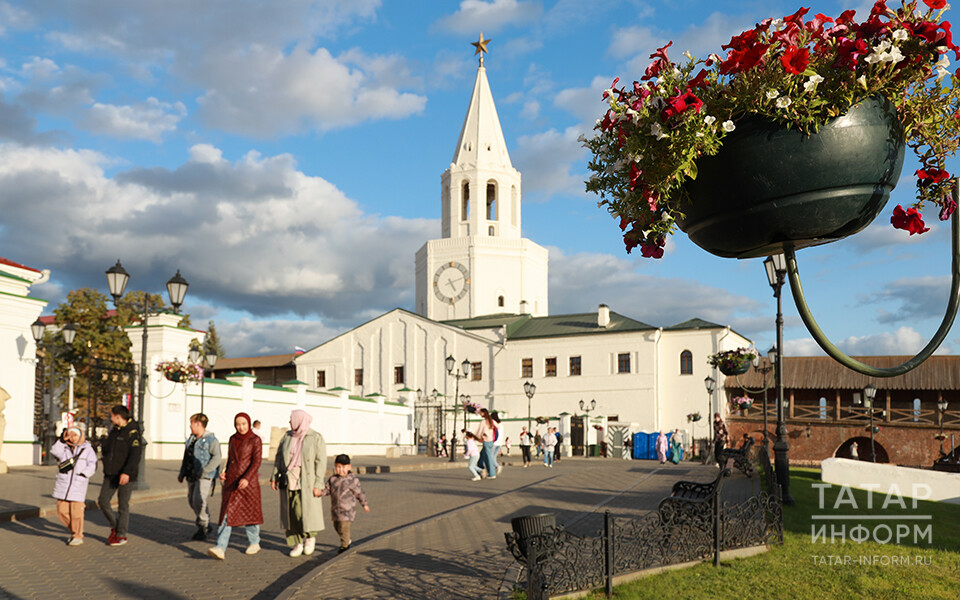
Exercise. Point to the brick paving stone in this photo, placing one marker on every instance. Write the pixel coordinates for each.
(430, 534)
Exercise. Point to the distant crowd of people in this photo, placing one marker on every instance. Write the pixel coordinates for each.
(298, 471)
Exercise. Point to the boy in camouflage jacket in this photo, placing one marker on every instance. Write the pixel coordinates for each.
(344, 490)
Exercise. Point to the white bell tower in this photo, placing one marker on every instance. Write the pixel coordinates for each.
(481, 265)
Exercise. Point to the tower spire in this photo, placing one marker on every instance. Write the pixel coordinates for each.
(481, 144)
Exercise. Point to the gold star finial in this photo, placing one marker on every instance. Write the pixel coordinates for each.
(481, 46)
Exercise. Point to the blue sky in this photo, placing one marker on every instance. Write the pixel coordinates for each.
(286, 157)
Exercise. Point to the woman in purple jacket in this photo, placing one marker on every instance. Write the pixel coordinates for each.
(78, 462)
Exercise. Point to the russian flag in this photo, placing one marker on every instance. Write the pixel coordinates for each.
(298, 350)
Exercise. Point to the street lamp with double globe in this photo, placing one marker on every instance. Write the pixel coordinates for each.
(587, 409)
(711, 384)
(451, 364)
(942, 407)
(68, 333)
(117, 278)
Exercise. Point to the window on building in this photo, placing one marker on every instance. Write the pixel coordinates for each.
(686, 363)
(615, 418)
(574, 365)
(500, 301)
(358, 377)
(491, 202)
(623, 362)
(550, 367)
(823, 408)
(321, 379)
(490, 231)
(465, 201)
(526, 367)
(476, 371)
(398, 374)
(916, 409)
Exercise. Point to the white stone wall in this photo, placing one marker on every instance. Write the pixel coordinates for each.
(18, 359)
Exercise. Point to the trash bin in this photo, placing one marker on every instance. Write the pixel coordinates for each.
(594, 450)
(529, 525)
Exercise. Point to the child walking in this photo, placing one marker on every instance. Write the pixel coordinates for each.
(343, 487)
(473, 455)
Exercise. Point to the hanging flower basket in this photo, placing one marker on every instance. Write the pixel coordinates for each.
(694, 417)
(741, 402)
(939, 437)
(471, 407)
(176, 371)
(732, 362)
(769, 185)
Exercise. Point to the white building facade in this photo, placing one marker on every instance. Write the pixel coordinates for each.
(482, 296)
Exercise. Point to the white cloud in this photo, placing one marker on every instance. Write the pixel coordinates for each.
(254, 235)
(904, 341)
(263, 91)
(263, 337)
(546, 159)
(147, 120)
(580, 282)
(474, 15)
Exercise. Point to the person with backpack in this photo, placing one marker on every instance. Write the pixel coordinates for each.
(121, 466)
(78, 463)
(200, 467)
(556, 449)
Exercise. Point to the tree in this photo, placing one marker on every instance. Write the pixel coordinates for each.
(101, 339)
(213, 341)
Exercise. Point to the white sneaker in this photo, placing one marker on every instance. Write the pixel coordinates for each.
(297, 551)
(309, 546)
(75, 541)
(216, 553)
(494, 477)
(476, 478)
(252, 549)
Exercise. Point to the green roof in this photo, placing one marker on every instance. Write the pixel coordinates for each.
(694, 323)
(524, 326)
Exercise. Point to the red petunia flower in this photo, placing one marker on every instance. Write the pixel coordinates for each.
(660, 62)
(795, 60)
(935, 4)
(910, 220)
(680, 103)
(931, 175)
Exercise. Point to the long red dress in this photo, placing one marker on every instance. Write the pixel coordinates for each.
(242, 507)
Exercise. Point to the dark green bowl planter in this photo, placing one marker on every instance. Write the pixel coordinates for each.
(175, 377)
(731, 371)
(770, 186)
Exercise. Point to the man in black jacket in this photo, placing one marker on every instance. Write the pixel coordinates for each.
(121, 460)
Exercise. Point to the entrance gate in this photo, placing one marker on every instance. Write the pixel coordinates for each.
(576, 436)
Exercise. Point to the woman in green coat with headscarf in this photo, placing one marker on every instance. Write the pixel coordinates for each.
(298, 473)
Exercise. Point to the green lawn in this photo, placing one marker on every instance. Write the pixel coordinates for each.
(803, 570)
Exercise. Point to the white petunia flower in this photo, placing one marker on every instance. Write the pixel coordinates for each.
(811, 84)
(893, 56)
(728, 126)
(873, 58)
(709, 120)
(900, 35)
(776, 23)
(783, 102)
(657, 131)
(771, 94)
(862, 80)
(688, 55)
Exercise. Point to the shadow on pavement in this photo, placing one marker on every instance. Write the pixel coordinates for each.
(133, 589)
(39, 527)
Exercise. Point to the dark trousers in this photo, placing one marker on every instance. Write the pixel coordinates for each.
(525, 450)
(556, 452)
(121, 519)
(717, 447)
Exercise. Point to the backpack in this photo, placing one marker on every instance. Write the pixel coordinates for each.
(559, 438)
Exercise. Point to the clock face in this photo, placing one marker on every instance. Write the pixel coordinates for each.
(451, 282)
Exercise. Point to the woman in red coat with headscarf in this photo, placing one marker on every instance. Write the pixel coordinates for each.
(241, 488)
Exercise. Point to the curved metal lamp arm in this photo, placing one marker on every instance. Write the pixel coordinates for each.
(760, 391)
(856, 365)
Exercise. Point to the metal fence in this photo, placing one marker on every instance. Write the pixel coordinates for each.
(556, 561)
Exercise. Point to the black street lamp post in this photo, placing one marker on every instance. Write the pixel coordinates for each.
(49, 433)
(586, 409)
(776, 268)
(869, 393)
(209, 362)
(942, 407)
(529, 388)
(711, 385)
(451, 364)
(117, 278)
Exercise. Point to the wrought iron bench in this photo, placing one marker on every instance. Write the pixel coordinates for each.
(740, 456)
(692, 498)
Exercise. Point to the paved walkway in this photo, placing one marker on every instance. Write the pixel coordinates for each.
(430, 534)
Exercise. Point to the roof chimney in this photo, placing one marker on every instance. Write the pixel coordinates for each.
(603, 316)
(523, 308)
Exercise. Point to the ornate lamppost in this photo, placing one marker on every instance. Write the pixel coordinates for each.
(587, 409)
(451, 364)
(942, 407)
(430, 440)
(711, 384)
(764, 369)
(68, 333)
(776, 268)
(529, 388)
(117, 278)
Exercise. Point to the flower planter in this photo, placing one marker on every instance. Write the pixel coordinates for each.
(175, 377)
(731, 370)
(769, 186)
